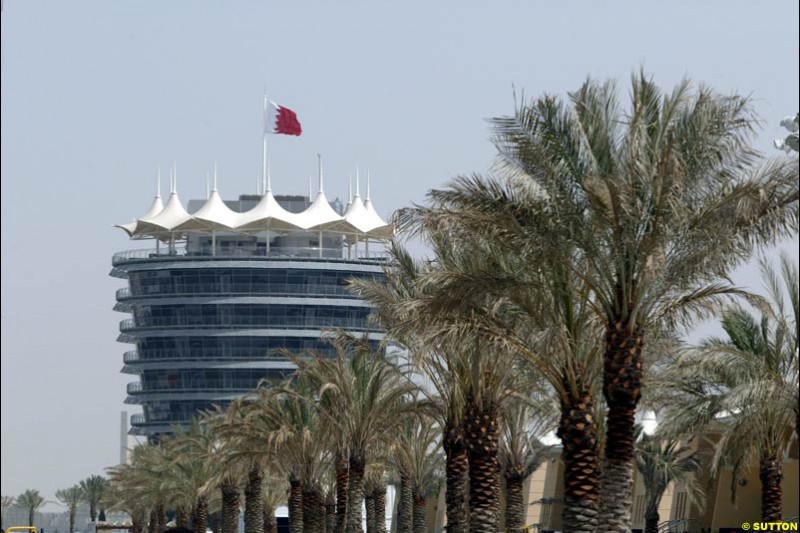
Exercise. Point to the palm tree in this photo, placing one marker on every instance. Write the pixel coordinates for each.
(419, 463)
(521, 451)
(518, 297)
(6, 502)
(364, 398)
(659, 202)
(31, 501)
(71, 498)
(662, 461)
(444, 368)
(749, 383)
(273, 494)
(195, 470)
(93, 489)
(144, 486)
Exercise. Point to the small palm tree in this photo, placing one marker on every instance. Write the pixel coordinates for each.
(748, 383)
(662, 461)
(194, 470)
(93, 489)
(31, 501)
(525, 421)
(71, 498)
(364, 398)
(7, 502)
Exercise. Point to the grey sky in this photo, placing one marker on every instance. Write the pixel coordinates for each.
(96, 93)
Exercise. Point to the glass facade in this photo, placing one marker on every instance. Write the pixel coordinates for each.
(205, 333)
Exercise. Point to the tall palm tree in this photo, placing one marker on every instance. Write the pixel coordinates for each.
(143, 486)
(364, 398)
(748, 383)
(72, 498)
(6, 502)
(31, 501)
(662, 461)
(444, 367)
(195, 470)
(93, 489)
(525, 421)
(659, 201)
(518, 297)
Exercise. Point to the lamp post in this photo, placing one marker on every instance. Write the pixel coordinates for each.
(791, 142)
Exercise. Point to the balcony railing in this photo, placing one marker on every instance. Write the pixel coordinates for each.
(248, 289)
(209, 385)
(128, 324)
(173, 356)
(138, 419)
(311, 253)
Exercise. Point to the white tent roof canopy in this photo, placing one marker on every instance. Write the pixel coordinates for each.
(268, 215)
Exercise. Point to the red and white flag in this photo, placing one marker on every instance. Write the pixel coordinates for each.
(281, 120)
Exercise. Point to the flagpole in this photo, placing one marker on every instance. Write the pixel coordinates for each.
(264, 157)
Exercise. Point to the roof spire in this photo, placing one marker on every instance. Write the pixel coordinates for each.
(158, 181)
(174, 178)
(208, 188)
(321, 188)
(349, 188)
(215, 177)
(367, 184)
(358, 183)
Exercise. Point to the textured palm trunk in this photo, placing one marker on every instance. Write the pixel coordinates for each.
(622, 388)
(182, 518)
(481, 433)
(295, 505)
(137, 522)
(161, 518)
(313, 510)
(270, 522)
(651, 519)
(419, 513)
(253, 502)
(342, 483)
(92, 512)
(153, 522)
(230, 506)
(405, 505)
(355, 495)
(515, 506)
(578, 433)
(330, 514)
(380, 507)
(71, 521)
(369, 507)
(456, 477)
(771, 474)
(200, 515)
(31, 514)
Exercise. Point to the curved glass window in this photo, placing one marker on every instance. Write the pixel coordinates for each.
(209, 379)
(228, 348)
(253, 281)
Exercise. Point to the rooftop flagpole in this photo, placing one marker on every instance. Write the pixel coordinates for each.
(264, 157)
(321, 188)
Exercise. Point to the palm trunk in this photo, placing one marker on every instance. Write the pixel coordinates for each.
(419, 513)
(313, 510)
(153, 521)
(270, 522)
(515, 506)
(651, 519)
(92, 511)
(369, 505)
(31, 513)
(481, 432)
(200, 518)
(182, 518)
(405, 505)
(295, 505)
(72, 521)
(380, 507)
(253, 502)
(161, 515)
(771, 474)
(137, 522)
(330, 514)
(355, 495)
(456, 477)
(578, 433)
(622, 388)
(230, 506)
(342, 482)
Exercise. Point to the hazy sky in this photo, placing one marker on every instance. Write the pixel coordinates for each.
(96, 93)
